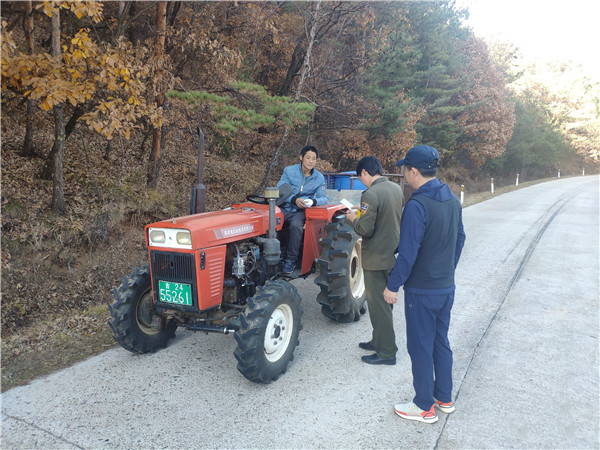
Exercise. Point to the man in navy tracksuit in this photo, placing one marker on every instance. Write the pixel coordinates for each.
(431, 241)
(308, 185)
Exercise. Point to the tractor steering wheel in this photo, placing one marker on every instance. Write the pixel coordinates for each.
(256, 198)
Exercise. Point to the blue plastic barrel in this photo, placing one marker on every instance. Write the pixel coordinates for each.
(343, 181)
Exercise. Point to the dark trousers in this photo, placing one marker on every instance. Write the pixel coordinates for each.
(296, 220)
(427, 323)
(380, 313)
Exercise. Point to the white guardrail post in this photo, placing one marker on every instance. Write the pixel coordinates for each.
(492, 185)
(462, 193)
(517, 183)
(558, 173)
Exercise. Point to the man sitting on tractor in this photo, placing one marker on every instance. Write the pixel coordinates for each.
(308, 185)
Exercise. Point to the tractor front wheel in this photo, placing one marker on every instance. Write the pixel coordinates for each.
(269, 331)
(134, 323)
(340, 273)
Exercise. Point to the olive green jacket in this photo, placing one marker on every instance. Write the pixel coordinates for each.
(379, 223)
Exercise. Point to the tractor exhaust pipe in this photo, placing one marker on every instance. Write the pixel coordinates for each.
(198, 201)
(272, 194)
(271, 247)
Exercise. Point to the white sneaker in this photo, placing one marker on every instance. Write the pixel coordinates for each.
(411, 411)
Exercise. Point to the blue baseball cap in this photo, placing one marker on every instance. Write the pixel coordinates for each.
(421, 157)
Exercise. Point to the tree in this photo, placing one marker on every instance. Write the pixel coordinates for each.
(105, 87)
(574, 104)
(159, 53)
(248, 107)
(58, 197)
(306, 67)
(488, 120)
(536, 147)
(27, 149)
(354, 37)
(420, 68)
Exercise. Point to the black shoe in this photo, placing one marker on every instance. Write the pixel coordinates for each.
(367, 346)
(374, 359)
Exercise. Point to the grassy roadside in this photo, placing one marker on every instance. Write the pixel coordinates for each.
(478, 197)
(60, 342)
(46, 347)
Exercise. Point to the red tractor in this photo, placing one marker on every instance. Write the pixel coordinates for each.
(219, 272)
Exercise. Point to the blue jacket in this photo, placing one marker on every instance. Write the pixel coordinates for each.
(312, 186)
(412, 233)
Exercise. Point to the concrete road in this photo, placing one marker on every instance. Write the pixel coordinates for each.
(524, 333)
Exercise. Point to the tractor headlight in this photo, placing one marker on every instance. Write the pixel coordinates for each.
(170, 238)
(184, 238)
(157, 237)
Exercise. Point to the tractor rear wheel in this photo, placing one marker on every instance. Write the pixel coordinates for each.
(340, 273)
(269, 331)
(133, 315)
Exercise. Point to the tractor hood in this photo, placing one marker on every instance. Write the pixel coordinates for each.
(241, 221)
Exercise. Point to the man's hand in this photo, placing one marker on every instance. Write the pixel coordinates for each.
(301, 203)
(389, 296)
(350, 214)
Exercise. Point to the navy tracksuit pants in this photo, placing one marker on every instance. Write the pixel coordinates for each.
(427, 322)
(296, 220)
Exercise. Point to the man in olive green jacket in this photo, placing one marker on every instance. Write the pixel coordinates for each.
(378, 222)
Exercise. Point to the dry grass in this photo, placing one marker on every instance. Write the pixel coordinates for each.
(478, 197)
(24, 363)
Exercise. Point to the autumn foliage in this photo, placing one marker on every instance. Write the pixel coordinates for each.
(488, 122)
(380, 77)
(101, 78)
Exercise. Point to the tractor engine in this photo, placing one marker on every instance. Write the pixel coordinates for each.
(244, 270)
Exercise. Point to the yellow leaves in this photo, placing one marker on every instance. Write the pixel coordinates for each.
(119, 117)
(111, 80)
(82, 47)
(49, 8)
(92, 9)
(89, 9)
(8, 45)
(125, 74)
(45, 105)
(75, 74)
(110, 61)
(79, 54)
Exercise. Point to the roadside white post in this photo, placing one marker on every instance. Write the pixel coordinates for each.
(462, 193)
(517, 180)
(492, 185)
(558, 173)
(582, 171)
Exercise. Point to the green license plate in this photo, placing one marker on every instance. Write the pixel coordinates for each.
(177, 293)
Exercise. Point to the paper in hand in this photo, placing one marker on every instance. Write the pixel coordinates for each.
(347, 204)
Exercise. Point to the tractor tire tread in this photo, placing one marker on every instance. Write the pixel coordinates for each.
(250, 353)
(336, 297)
(123, 322)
